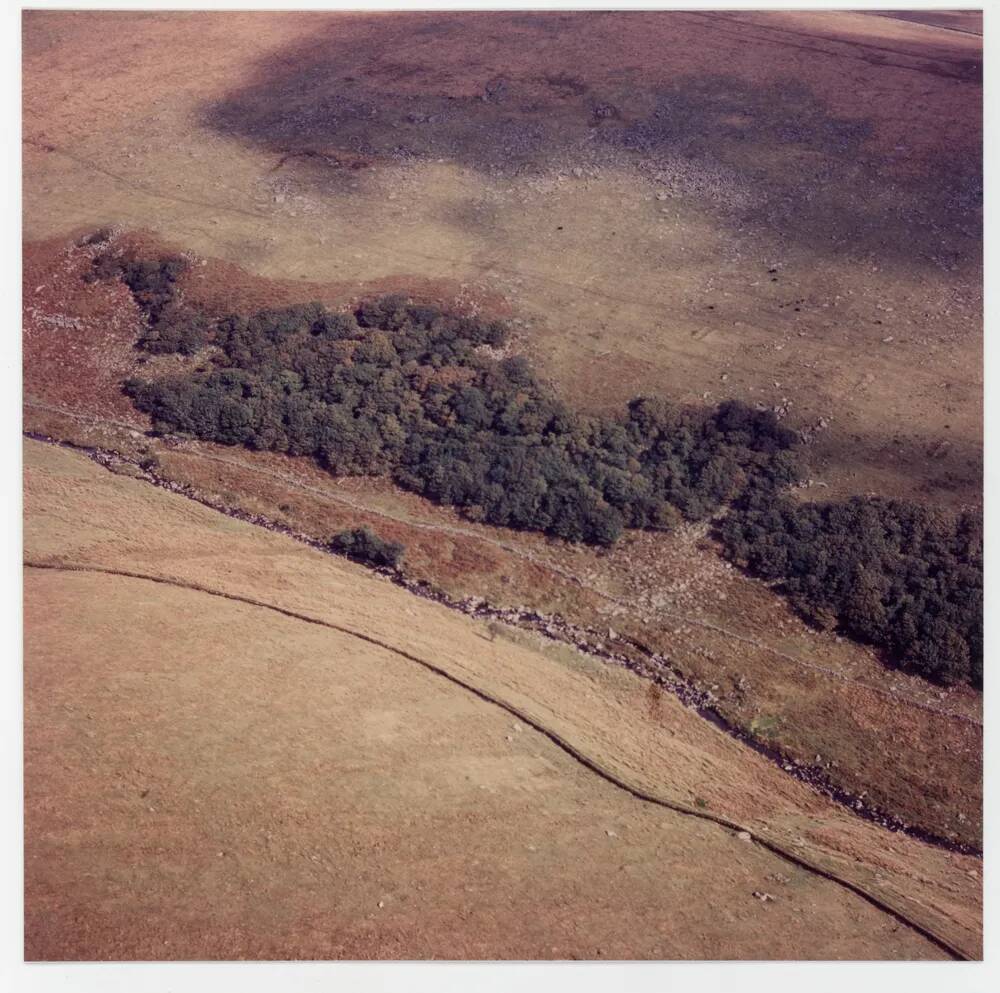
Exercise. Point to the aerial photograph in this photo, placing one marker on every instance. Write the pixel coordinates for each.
(502, 485)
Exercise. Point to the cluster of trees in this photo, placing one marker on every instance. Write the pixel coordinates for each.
(409, 391)
(412, 392)
(892, 573)
(171, 325)
(363, 545)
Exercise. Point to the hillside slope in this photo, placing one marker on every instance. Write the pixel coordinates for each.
(208, 778)
(892, 741)
(780, 206)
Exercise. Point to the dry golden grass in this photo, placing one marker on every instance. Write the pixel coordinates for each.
(164, 726)
(182, 125)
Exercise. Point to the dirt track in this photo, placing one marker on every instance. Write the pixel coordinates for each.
(154, 717)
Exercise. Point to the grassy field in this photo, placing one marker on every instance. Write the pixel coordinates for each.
(316, 793)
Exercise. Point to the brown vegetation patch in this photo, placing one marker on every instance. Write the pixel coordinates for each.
(78, 339)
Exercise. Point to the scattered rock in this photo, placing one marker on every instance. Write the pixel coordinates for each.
(495, 91)
(744, 835)
(125, 469)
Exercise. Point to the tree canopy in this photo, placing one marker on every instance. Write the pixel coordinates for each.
(430, 399)
(888, 572)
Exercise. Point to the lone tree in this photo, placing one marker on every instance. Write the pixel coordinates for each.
(363, 545)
